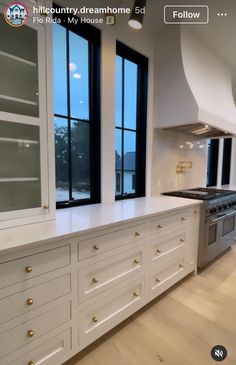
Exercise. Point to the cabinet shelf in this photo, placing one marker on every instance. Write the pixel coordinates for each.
(18, 59)
(23, 101)
(18, 179)
(17, 140)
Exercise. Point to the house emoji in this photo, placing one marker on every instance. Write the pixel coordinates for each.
(16, 12)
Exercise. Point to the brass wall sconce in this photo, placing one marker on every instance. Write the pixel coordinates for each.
(182, 166)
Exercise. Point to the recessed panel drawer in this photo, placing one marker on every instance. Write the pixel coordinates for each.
(27, 332)
(103, 243)
(104, 274)
(27, 300)
(18, 270)
(169, 224)
(163, 277)
(51, 352)
(161, 248)
(105, 313)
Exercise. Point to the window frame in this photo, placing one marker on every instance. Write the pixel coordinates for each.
(93, 36)
(129, 54)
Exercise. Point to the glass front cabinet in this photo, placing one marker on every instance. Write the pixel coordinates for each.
(26, 156)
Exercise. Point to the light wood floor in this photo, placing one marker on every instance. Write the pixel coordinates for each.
(180, 328)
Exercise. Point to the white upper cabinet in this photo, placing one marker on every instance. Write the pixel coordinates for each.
(26, 136)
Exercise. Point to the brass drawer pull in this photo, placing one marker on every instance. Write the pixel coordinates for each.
(29, 301)
(136, 261)
(135, 294)
(158, 250)
(137, 234)
(46, 206)
(95, 280)
(181, 266)
(95, 319)
(31, 363)
(28, 269)
(158, 280)
(195, 211)
(183, 219)
(159, 226)
(30, 333)
(96, 247)
(182, 240)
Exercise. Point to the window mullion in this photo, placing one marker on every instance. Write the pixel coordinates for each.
(69, 113)
(122, 124)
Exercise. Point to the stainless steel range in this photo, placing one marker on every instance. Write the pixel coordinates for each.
(217, 220)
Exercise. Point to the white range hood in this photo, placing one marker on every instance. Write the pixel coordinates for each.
(194, 88)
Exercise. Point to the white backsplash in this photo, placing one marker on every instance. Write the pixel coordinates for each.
(168, 149)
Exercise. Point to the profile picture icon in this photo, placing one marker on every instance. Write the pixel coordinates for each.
(16, 14)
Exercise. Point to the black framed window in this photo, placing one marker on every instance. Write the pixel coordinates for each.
(130, 122)
(76, 56)
(212, 162)
(213, 158)
(226, 161)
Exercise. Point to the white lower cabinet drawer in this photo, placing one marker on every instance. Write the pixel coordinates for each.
(166, 225)
(27, 300)
(164, 276)
(27, 267)
(29, 331)
(103, 314)
(52, 352)
(106, 242)
(107, 273)
(161, 248)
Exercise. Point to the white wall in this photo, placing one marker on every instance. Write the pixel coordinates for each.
(166, 155)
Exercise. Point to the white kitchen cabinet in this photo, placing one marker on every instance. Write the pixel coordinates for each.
(58, 298)
(25, 126)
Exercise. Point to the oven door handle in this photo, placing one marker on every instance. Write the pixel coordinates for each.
(223, 216)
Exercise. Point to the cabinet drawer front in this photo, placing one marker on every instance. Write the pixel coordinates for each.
(27, 300)
(28, 267)
(20, 336)
(94, 278)
(51, 352)
(105, 313)
(166, 225)
(164, 277)
(97, 245)
(165, 246)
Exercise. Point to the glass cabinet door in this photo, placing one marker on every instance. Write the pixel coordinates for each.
(19, 69)
(20, 180)
(24, 134)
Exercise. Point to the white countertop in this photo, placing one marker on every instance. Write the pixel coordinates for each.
(79, 220)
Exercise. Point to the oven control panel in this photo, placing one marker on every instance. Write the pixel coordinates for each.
(220, 206)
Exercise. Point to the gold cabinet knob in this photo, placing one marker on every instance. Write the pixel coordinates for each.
(31, 363)
(28, 269)
(183, 219)
(158, 250)
(95, 280)
(181, 266)
(30, 333)
(158, 280)
(135, 294)
(96, 247)
(45, 206)
(29, 301)
(159, 226)
(137, 234)
(182, 240)
(136, 261)
(95, 319)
